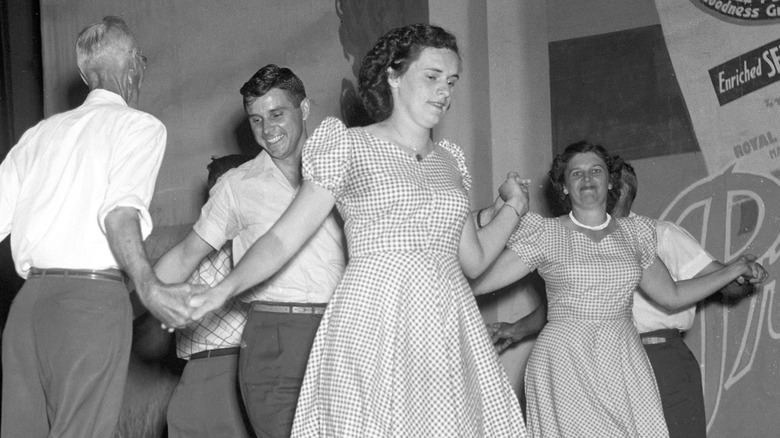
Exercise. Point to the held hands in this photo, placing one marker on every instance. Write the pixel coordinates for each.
(514, 192)
(504, 334)
(207, 300)
(197, 302)
(169, 303)
(751, 273)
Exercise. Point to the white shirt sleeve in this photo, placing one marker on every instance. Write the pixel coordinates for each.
(680, 252)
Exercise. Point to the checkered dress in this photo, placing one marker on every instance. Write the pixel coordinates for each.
(588, 375)
(402, 350)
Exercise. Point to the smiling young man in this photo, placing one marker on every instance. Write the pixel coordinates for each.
(286, 309)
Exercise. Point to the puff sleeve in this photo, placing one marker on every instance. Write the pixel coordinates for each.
(460, 159)
(646, 242)
(327, 156)
(527, 240)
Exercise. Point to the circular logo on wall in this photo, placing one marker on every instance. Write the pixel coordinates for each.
(742, 12)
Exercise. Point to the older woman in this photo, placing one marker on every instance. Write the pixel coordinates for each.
(588, 374)
(402, 349)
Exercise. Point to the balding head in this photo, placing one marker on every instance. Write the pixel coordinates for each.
(108, 57)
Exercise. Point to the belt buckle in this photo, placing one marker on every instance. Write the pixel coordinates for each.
(653, 340)
(301, 309)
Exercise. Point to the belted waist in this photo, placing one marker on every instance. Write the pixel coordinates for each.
(295, 308)
(214, 353)
(104, 274)
(438, 253)
(659, 336)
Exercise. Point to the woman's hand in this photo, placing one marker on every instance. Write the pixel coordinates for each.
(752, 270)
(514, 192)
(504, 334)
(744, 285)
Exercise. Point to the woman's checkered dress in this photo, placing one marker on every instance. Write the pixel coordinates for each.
(402, 350)
(588, 374)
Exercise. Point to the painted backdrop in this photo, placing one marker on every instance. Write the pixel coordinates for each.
(726, 55)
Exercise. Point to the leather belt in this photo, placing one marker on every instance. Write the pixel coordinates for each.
(105, 274)
(303, 309)
(214, 353)
(659, 336)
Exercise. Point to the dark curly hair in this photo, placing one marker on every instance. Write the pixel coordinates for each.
(557, 174)
(397, 49)
(272, 76)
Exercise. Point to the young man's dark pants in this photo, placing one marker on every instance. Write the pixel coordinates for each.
(275, 349)
(679, 383)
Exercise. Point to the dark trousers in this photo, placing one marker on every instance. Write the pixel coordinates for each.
(679, 383)
(66, 348)
(206, 402)
(272, 362)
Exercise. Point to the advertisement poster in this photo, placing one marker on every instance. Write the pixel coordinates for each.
(726, 56)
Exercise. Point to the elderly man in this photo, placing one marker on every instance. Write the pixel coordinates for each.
(74, 195)
(285, 310)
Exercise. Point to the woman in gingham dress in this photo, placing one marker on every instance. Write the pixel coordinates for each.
(402, 350)
(588, 375)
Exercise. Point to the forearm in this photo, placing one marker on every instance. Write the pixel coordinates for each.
(171, 268)
(264, 258)
(534, 321)
(492, 239)
(483, 216)
(178, 263)
(507, 269)
(123, 231)
(688, 292)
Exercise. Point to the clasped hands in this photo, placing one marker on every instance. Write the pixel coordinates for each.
(177, 305)
(750, 273)
(514, 193)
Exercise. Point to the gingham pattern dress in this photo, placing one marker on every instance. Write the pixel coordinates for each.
(588, 374)
(402, 349)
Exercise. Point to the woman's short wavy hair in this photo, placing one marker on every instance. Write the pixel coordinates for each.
(396, 50)
(557, 174)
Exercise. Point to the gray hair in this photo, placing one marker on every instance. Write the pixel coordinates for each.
(105, 45)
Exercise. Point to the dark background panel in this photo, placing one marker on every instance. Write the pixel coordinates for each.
(619, 89)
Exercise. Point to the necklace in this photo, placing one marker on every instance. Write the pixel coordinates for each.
(417, 154)
(588, 227)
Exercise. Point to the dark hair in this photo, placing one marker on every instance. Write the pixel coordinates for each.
(557, 173)
(627, 177)
(272, 76)
(220, 165)
(397, 49)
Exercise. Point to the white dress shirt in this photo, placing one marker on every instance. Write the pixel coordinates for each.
(243, 206)
(684, 258)
(68, 172)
